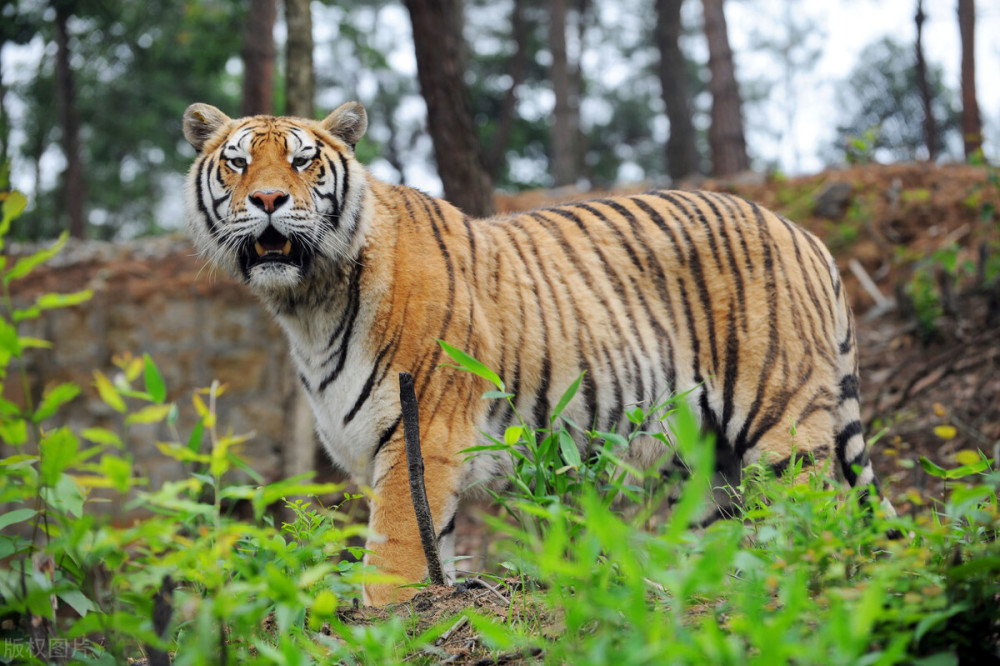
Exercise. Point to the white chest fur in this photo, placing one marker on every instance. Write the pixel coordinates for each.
(348, 410)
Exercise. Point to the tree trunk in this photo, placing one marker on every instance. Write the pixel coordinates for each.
(440, 52)
(258, 58)
(565, 122)
(300, 80)
(682, 152)
(972, 124)
(516, 69)
(926, 95)
(4, 129)
(69, 123)
(725, 135)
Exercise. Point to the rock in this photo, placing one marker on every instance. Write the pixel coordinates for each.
(833, 200)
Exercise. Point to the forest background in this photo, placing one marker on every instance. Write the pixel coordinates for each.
(520, 94)
(859, 119)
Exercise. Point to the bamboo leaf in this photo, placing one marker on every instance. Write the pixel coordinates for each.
(53, 399)
(469, 364)
(109, 394)
(154, 380)
(150, 414)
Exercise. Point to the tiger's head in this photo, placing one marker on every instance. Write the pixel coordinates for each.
(270, 197)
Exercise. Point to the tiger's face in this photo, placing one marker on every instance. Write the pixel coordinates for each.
(268, 198)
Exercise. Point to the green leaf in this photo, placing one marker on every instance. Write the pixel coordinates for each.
(469, 364)
(65, 496)
(24, 265)
(102, 436)
(53, 399)
(9, 342)
(118, 471)
(567, 447)
(34, 343)
(14, 433)
(497, 395)
(154, 380)
(181, 453)
(77, 601)
(932, 468)
(636, 416)
(13, 205)
(20, 315)
(7, 408)
(984, 564)
(57, 449)
(109, 394)
(53, 301)
(512, 434)
(296, 486)
(495, 635)
(150, 414)
(237, 462)
(16, 516)
(958, 473)
(325, 604)
(194, 441)
(566, 397)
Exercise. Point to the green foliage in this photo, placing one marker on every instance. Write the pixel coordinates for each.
(144, 62)
(264, 588)
(922, 290)
(803, 575)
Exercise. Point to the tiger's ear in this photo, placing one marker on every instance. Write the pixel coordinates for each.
(348, 123)
(201, 121)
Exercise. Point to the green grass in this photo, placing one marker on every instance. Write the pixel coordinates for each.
(804, 575)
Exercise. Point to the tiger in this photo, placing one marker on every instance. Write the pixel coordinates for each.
(698, 294)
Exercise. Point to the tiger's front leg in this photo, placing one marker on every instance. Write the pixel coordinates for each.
(394, 540)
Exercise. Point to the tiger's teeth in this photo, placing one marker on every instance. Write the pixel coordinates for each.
(287, 249)
(260, 249)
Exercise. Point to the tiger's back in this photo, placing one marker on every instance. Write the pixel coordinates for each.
(654, 295)
(646, 296)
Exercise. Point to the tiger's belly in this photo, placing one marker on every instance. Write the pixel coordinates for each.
(606, 393)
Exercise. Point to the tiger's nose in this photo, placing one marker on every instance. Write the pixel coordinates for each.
(269, 201)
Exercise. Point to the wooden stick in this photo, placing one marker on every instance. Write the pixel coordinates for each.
(882, 304)
(415, 464)
(162, 611)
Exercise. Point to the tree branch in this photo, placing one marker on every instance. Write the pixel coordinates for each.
(415, 464)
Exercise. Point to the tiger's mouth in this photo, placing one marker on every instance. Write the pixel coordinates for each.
(272, 248)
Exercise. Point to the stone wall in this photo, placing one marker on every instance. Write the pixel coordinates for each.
(155, 296)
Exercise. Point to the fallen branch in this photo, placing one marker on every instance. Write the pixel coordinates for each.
(443, 638)
(479, 582)
(882, 304)
(415, 465)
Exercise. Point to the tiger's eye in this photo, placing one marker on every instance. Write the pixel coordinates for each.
(238, 163)
(300, 162)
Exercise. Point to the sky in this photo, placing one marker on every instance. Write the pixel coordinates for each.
(839, 29)
(849, 26)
